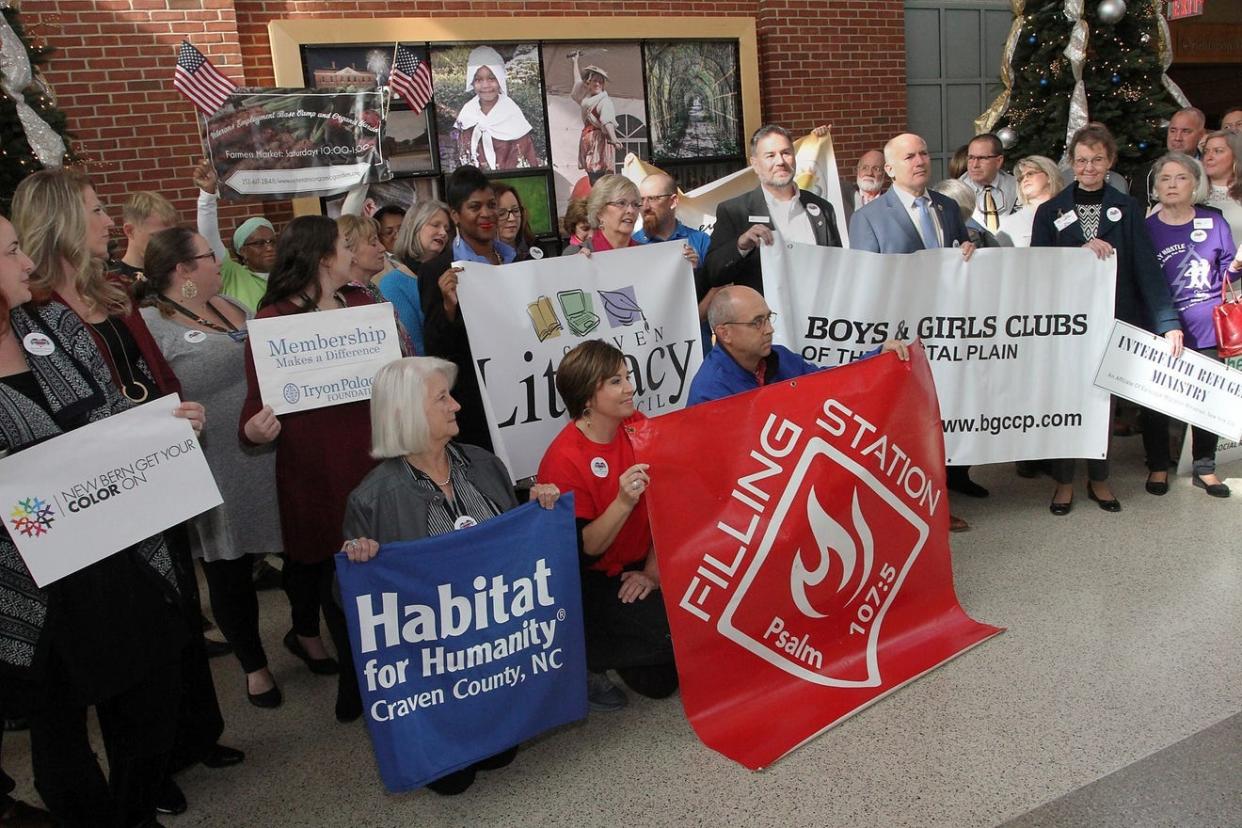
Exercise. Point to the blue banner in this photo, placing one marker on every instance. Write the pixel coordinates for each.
(468, 643)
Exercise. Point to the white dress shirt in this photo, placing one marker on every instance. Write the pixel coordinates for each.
(790, 219)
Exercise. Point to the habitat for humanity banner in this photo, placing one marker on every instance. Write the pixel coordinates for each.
(284, 143)
(522, 318)
(467, 643)
(313, 360)
(85, 495)
(816, 172)
(1013, 336)
(802, 530)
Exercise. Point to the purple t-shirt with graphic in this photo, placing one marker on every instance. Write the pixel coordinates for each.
(1195, 257)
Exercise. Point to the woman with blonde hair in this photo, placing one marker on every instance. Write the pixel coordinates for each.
(1222, 161)
(1039, 179)
(422, 247)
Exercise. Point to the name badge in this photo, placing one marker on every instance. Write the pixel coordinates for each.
(465, 522)
(38, 344)
(813, 209)
(1198, 235)
(758, 219)
(536, 253)
(1065, 220)
(599, 467)
(1203, 224)
(195, 336)
(1114, 214)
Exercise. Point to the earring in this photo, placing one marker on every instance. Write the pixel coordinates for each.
(188, 289)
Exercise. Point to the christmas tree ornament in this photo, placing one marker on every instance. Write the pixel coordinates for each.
(1110, 12)
(1008, 137)
(16, 75)
(1116, 79)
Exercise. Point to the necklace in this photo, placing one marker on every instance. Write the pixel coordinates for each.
(416, 471)
(184, 311)
(133, 374)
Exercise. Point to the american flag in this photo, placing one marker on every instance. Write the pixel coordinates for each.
(411, 79)
(199, 81)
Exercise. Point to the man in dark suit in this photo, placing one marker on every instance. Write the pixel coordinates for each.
(908, 218)
(776, 208)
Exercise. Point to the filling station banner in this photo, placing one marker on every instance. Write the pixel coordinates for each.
(523, 317)
(285, 143)
(1013, 336)
(802, 530)
(467, 643)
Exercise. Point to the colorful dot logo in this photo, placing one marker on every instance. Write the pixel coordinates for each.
(32, 517)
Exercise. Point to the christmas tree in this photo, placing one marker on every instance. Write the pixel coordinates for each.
(32, 129)
(1120, 51)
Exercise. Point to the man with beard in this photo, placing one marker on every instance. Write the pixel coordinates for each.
(776, 208)
(868, 183)
(658, 194)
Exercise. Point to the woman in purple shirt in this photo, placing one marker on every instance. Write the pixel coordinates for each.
(1196, 251)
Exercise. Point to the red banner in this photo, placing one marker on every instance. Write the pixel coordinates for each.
(802, 531)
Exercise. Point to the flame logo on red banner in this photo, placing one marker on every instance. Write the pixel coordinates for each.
(833, 542)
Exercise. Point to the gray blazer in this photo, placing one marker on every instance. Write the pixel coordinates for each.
(387, 506)
(883, 226)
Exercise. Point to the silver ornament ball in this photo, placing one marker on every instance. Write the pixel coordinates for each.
(1110, 12)
(1008, 137)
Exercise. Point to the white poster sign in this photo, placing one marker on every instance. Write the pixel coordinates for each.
(1013, 336)
(1139, 366)
(85, 495)
(816, 172)
(1227, 450)
(314, 360)
(522, 318)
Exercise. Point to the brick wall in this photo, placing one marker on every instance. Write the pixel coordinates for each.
(821, 61)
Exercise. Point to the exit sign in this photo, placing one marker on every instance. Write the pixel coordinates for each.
(1184, 8)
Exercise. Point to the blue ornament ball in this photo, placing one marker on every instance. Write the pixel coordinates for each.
(1116, 79)
(1033, 39)
(1142, 145)
(1043, 81)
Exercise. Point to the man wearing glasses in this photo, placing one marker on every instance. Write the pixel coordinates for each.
(776, 208)
(996, 191)
(744, 357)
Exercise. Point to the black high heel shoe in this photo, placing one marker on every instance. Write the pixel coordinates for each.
(1113, 505)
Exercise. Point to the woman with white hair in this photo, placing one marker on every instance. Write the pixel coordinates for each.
(426, 484)
(1038, 180)
(961, 192)
(612, 211)
(493, 134)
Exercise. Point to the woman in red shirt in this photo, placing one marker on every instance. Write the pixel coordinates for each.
(626, 628)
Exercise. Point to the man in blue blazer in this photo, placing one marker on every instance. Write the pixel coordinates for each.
(909, 217)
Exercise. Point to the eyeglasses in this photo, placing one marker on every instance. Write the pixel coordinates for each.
(1025, 174)
(1097, 161)
(210, 254)
(512, 212)
(388, 231)
(626, 205)
(261, 243)
(758, 322)
(981, 157)
(654, 198)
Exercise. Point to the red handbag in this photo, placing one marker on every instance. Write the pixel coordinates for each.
(1228, 318)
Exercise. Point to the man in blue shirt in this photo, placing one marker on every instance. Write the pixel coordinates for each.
(744, 357)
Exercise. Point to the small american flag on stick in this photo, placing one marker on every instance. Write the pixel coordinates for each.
(199, 81)
(410, 79)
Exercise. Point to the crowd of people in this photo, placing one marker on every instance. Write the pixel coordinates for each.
(170, 316)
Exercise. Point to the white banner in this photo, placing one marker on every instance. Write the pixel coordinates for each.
(314, 360)
(85, 495)
(1139, 366)
(522, 318)
(816, 172)
(1227, 450)
(1013, 336)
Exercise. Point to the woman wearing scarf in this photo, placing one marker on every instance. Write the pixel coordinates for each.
(493, 134)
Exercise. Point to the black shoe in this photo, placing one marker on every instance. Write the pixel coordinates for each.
(1157, 487)
(1061, 509)
(961, 483)
(170, 799)
(452, 784)
(318, 666)
(1113, 505)
(500, 760)
(215, 649)
(348, 710)
(1215, 490)
(1027, 468)
(220, 756)
(266, 576)
(267, 699)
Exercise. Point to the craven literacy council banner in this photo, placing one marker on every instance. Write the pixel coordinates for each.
(1139, 366)
(85, 495)
(522, 318)
(467, 643)
(802, 530)
(314, 360)
(1013, 336)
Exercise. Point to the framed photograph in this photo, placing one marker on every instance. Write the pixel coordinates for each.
(596, 111)
(403, 192)
(693, 99)
(532, 191)
(489, 106)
